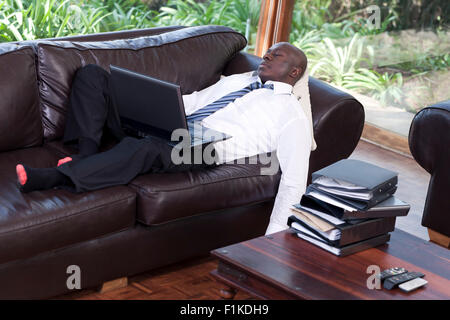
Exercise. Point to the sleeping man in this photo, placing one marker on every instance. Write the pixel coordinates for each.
(258, 110)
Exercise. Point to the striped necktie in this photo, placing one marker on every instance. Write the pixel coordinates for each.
(209, 109)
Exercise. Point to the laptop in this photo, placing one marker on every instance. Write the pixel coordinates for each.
(151, 107)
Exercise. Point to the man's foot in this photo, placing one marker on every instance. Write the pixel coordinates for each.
(31, 179)
(21, 174)
(86, 146)
(64, 160)
(74, 157)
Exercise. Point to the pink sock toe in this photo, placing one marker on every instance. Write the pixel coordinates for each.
(21, 174)
(64, 160)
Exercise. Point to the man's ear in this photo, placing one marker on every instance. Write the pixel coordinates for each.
(296, 72)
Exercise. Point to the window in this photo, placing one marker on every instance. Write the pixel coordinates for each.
(393, 56)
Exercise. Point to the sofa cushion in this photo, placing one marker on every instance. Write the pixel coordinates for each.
(166, 197)
(20, 121)
(192, 57)
(47, 220)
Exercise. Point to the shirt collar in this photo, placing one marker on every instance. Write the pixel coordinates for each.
(278, 87)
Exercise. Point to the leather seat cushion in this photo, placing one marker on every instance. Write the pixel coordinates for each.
(47, 220)
(166, 197)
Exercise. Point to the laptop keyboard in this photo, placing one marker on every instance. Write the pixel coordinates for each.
(141, 134)
(201, 137)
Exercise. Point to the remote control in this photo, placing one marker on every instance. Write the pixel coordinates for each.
(412, 284)
(391, 272)
(391, 282)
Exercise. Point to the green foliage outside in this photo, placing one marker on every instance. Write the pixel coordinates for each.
(399, 63)
(341, 47)
(37, 19)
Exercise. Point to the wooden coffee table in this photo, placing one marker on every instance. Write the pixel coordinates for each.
(283, 266)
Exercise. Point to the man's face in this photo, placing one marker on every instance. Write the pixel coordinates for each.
(276, 65)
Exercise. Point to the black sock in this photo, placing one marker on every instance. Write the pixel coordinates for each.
(42, 179)
(87, 147)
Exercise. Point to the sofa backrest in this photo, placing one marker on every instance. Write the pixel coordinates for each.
(20, 120)
(192, 57)
(116, 35)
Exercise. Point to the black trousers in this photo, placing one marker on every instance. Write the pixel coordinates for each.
(91, 112)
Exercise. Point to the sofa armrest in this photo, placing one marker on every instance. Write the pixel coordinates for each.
(338, 118)
(428, 135)
(429, 142)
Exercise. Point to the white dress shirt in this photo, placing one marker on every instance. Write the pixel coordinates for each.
(261, 121)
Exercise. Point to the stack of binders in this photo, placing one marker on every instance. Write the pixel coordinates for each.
(349, 207)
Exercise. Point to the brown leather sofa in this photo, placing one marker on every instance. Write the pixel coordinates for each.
(157, 219)
(429, 142)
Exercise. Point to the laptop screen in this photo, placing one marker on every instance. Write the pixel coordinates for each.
(149, 104)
